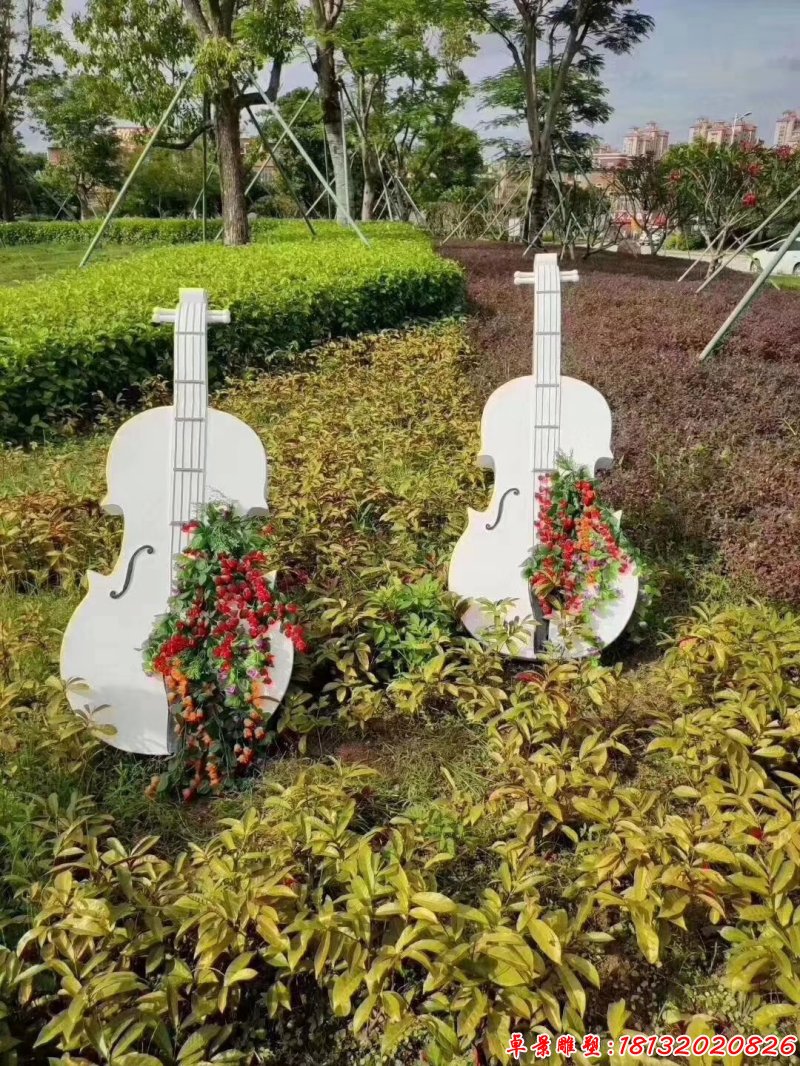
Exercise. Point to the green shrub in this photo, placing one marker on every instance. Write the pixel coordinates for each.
(123, 231)
(686, 242)
(68, 338)
(175, 231)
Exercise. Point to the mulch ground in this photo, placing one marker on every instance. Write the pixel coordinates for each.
(707, 455)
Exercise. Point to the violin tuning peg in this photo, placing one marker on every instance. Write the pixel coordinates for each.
(524, 277)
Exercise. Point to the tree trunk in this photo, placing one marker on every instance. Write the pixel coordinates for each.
(372, 179)
(7, 175)
(535, 212)
(83, 203)
(716, 249)
(231, 170)
(332, 123)
(7, 193)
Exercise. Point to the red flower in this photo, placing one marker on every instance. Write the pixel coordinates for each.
(750, 199)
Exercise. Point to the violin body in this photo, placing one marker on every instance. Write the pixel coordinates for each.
(102, 649)
(487, 563)
(527, 423)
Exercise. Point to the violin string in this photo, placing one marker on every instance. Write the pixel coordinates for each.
(180, 410)
(557, 390)
(547, 375)
(174, 503)
(537, 392)
(196, 506)
(190, 414)
(199, 412)
(182, 407)
(192, 465)
(184, 400)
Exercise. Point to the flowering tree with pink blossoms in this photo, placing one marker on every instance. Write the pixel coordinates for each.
(725, 190)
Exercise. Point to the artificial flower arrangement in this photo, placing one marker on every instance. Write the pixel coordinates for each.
(580, 551)
(212, 649)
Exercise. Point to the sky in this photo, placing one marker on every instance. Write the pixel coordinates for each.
(717, 58)
(704, 57)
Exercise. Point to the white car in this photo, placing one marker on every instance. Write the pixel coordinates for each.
(790, 264)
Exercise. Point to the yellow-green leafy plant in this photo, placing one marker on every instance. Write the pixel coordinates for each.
(567, 847)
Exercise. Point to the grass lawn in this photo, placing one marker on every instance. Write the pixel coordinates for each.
(29, 262)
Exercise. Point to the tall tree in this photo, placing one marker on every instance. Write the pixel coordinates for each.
(645, 188)
(447, 160)
(587, 217)
(28, 34)
(562, 36)
(169, 183)
(31, 196)
(401, 61)
(725, 188)
(305, 114)
(584, 102)
(141, 48)
(70, 112)
(325, 16)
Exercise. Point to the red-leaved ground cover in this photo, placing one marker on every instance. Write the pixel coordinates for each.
(707, 456)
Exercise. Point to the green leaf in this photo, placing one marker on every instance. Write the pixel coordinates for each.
(573, 988)
(238, 969)
(53, 1028)
(363, 1012)
(344, 987)
(646, 937)
(435, 902)
(766, 1018)
(717, 853)
(617, 1015)
(546, 939)
(471, 1016)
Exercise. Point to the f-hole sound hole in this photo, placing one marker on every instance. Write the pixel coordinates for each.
(506, 494)
(129, 572)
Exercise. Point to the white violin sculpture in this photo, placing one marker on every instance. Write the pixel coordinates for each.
(163, 467)
(527, 424)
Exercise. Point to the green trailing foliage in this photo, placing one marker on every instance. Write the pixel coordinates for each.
(64, 340)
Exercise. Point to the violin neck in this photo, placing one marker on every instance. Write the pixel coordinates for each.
(190, 410)
(190, 406)
(546, 365)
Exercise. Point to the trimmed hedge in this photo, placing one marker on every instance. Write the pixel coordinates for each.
(178, 231)
(67, 338)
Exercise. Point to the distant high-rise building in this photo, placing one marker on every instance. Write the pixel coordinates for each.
(646, 140)
(721, 133)
(787, 130)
